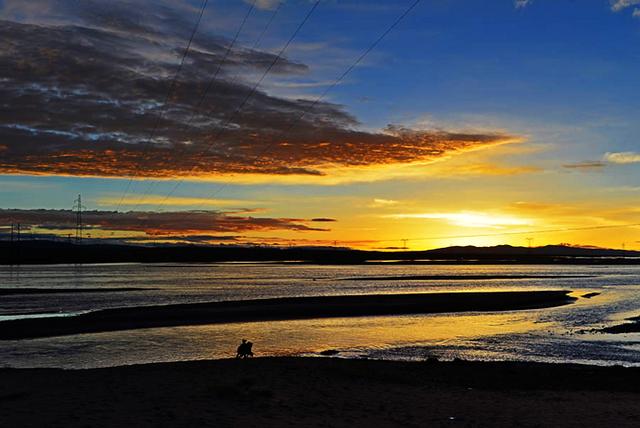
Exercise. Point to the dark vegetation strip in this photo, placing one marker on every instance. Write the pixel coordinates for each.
(51, 252)
(280, 309)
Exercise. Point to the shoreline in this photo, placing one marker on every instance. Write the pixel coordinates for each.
(272, 392)
(291, 308)
(460, 277)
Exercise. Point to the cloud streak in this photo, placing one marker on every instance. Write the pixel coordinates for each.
(154, 223)
(519, 4)
(622, 157)
(265, 4)
(171, 201)
(618, 5)
(586, 165)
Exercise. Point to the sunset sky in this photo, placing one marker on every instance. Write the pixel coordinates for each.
(471, 122)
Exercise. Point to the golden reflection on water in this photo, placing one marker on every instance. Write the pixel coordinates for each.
(380, 332)
(309, 336)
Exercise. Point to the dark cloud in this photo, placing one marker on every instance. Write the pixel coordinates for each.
(586, 165)
(324, 219)
(192, 223)
(81, 94)
(152, 240)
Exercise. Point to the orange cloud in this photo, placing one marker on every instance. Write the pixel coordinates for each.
(308, 156)
(155, 223)
(79, 79)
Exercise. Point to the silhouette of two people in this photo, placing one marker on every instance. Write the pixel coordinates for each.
(244, 349)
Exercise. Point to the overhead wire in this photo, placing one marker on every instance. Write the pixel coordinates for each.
(144, 196)
(247, 97)
(168, 94)
(337, 81)
(267, 26)
(204, 94)
(524, 232)
(483, 235)
(306, 111)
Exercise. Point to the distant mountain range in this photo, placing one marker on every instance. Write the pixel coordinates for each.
(43, 251)
(547, 250)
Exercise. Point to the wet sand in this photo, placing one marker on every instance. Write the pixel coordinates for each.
(280, 309)
(321, 392)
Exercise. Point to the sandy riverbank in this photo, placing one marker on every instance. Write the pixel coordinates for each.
(280, 309)
(310, 392)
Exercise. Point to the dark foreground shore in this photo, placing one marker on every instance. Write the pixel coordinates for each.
(280, 309)
(317, 392)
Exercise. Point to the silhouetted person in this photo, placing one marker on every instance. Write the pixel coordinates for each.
(241, 348)
(244, 349)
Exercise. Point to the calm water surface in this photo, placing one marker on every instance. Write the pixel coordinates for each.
(553, 334)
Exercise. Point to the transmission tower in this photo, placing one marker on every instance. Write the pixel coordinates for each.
(15, 232)
(77, 207)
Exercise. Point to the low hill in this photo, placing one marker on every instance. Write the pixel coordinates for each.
(49, 252)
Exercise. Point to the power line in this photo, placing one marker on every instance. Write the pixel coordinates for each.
(339, 79)
(318, 99)
(203, 97)
(168, 94)
(247, 97)
(404, 241)
(266, 27)
(255, 45)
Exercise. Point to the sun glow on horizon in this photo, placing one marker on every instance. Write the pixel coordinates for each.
(470, 219)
